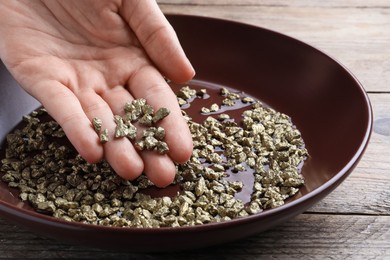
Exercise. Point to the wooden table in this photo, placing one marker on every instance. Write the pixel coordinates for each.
(351, 223)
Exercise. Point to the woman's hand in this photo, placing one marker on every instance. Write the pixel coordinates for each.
(83, 59)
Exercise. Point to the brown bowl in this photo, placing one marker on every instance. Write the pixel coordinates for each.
(325, 101)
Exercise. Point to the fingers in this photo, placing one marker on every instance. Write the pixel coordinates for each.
(158, 39)
(119, 152)
(160, 169)
(149, 84)
(74, 112)
(65, 108)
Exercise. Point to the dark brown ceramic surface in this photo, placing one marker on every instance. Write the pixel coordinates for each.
(325, 101)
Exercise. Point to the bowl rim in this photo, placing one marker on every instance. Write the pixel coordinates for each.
(35, 217)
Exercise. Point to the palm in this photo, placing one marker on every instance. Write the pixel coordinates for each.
(82, 59)
(100, 56)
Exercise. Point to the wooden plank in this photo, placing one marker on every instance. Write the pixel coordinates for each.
(359, 40)
(322, 236)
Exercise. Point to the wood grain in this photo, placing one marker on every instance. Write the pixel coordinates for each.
(358, 37)
(357, 237)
